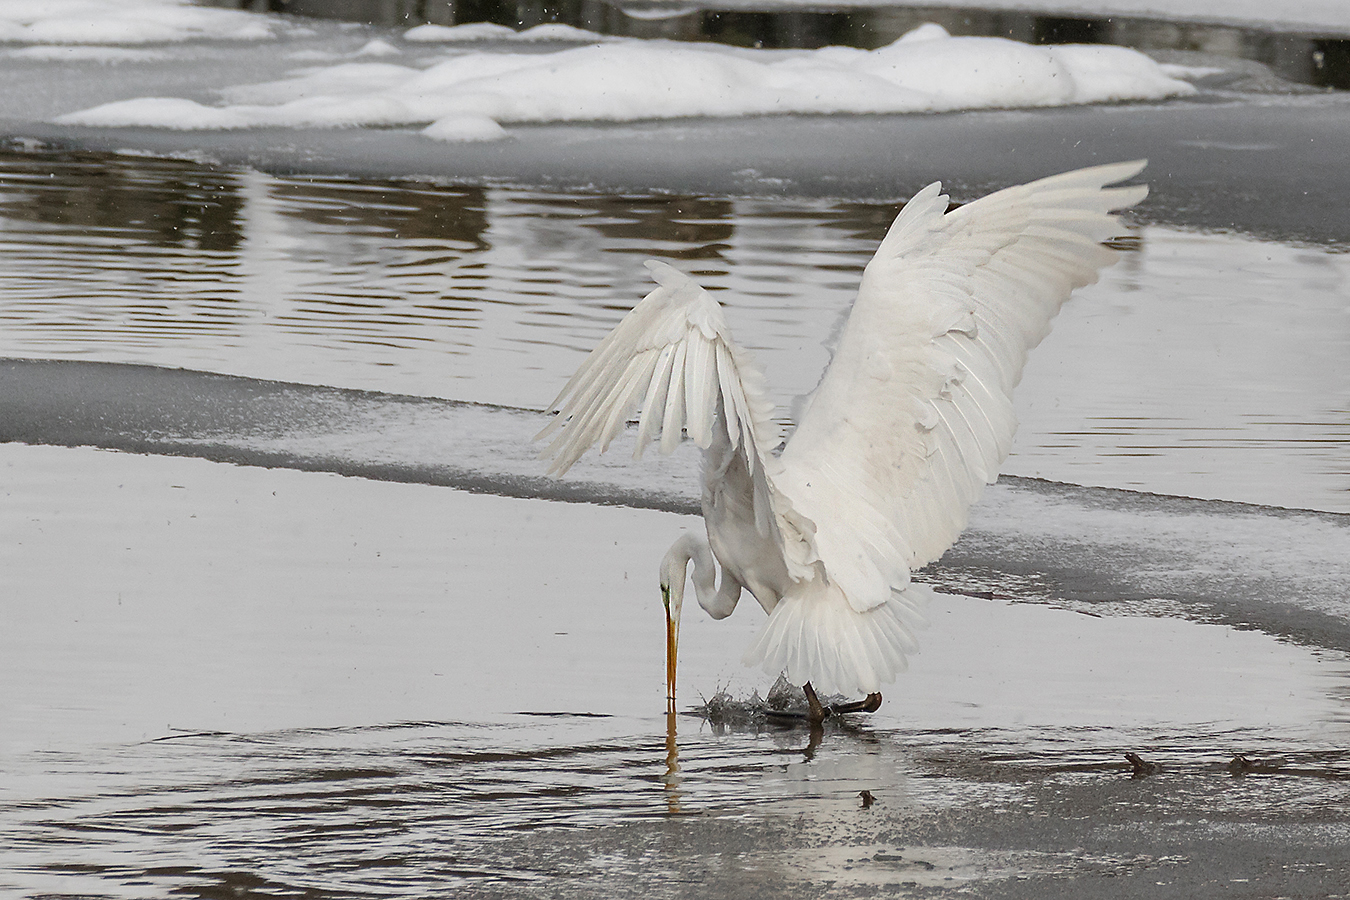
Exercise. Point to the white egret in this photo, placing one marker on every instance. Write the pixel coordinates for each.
(911, 419)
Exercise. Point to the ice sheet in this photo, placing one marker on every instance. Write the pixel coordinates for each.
(1094, 550)
(215, 597)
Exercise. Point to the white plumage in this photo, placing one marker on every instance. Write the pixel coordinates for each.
(912, 418)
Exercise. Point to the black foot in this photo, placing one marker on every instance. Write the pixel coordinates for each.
(870, 705)
(817, 712)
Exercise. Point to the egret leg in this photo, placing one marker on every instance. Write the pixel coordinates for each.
(815, 711)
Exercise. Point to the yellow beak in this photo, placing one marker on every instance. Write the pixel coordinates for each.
(672, 647)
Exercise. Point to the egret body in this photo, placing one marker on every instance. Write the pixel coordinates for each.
(911, 419)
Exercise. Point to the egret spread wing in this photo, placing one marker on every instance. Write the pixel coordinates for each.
(673, 356)
(914, 414)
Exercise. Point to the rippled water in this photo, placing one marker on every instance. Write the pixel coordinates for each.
(407, 809)
(1203, 365)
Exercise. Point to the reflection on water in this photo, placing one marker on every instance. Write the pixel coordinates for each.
(1307, 57)
(354, 276)
(160, 203)
(1203, 365)
(672, 777)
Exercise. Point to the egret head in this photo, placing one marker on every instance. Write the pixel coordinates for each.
(674, 568)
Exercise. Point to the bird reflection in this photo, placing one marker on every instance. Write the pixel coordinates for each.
(813, 741)
(672, 776)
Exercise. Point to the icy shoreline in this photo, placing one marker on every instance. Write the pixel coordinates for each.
(1284, 571)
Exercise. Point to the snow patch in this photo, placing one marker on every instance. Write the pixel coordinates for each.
(474, 31)
(465, 128)
(627, 80)
(162, 112)
(929, 31)
(488, 31)
(378, 47)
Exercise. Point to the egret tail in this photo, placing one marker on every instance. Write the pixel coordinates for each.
(817, 636)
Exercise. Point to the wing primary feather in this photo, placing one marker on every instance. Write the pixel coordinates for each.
(727, 380)
(591, 422)
(591, 395)
(654, 405)
(672, 422)
(744, 423)
(637, 378)
(698, 408)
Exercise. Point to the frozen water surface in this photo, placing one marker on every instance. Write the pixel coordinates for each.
(393, 664)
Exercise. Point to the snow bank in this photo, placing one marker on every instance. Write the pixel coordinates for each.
(126, 22)
(626, 80)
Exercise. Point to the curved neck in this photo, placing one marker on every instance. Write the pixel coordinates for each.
(675, 565)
